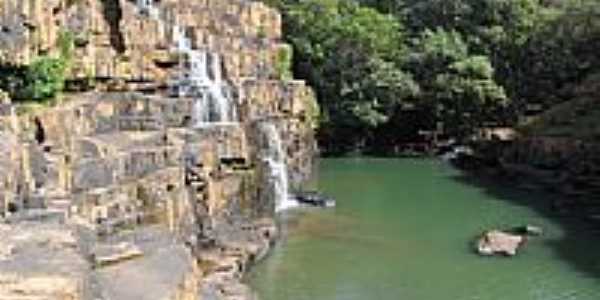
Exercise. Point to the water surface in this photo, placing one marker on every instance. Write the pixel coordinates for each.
(402, 230)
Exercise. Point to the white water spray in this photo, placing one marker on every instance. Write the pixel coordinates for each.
(202, 79)
(147, 7)
(275, 159)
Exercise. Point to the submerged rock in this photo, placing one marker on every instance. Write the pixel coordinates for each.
(528, 230)
(498, 242)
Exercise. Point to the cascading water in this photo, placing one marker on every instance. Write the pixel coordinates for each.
(202, 80)
(182, 43)
(274, 157)
(201, 77)
(147, 7)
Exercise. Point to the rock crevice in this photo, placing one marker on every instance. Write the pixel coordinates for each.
(113, 14)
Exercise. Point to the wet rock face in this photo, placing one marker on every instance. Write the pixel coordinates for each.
(130, 43)
(129, 165)
(119, 39)
(132, 46)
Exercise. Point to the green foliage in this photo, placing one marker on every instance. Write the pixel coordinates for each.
(442, 45)
(261, 33)
(560, 55)
(434, 51)
(458, 85)
(283, 65)
(314, 112)
(474, 66)
(44, 78)
(353, 56)
(66, 45)
(41, 80)
(462, 63)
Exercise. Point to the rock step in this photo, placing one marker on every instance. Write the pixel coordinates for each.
(60, 206)
(15, 296)
(112, 254)
(58, 201)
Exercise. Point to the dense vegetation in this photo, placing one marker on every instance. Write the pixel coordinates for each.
(41, 80)
(385, 70)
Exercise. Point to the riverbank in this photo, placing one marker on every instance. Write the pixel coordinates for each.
(562, 169)
(226, 260)
(42, 258)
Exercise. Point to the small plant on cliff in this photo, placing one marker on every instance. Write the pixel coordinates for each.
(66, 45)
(313, 111)
(44, 79)
(41, 80)
(283, 65)
(261, 32)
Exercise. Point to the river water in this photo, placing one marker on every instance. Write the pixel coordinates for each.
(403, 231)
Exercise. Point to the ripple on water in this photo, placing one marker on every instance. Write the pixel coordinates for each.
(402, 230)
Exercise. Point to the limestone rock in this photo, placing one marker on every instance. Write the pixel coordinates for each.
(497, 242)
(149, 192)
(41, 261)
(112, 254)
(166, 270)
(38, 287)
(4, 98)
(236, 249)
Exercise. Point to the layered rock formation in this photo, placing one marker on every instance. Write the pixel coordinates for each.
(144, 171)
(558, 152)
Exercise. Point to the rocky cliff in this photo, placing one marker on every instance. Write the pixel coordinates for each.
(558, 152)
(161, 180)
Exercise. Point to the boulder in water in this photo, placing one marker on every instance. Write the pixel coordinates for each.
(498, 242)
(314, 199)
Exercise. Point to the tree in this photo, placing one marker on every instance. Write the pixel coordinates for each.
(460, 87)
(560, 55)
(353, 56)
(461, 62)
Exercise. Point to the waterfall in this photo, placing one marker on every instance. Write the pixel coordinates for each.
(182, 43)
(273, 155)
(14, 119)
(147, 7)
(202, 79)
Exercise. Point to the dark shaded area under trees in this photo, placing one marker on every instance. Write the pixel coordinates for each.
(386, 70)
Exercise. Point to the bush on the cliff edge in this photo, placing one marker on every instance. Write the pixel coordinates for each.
(41, 80)
(44, 79)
